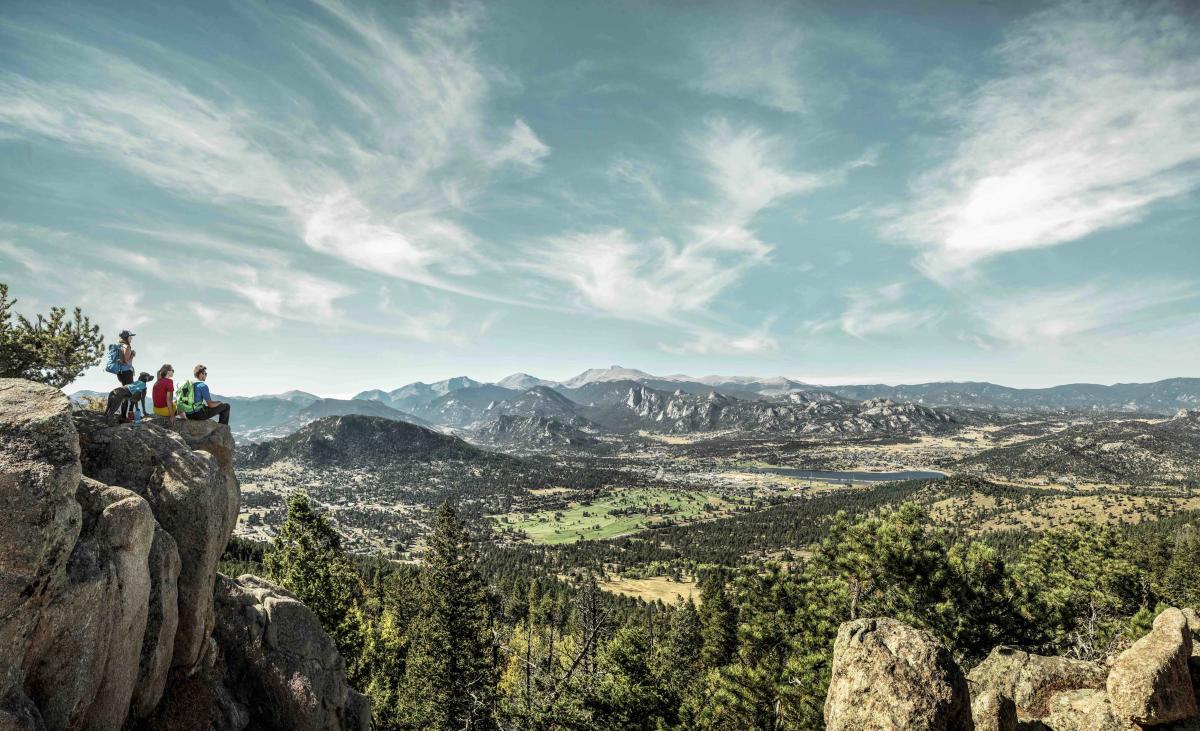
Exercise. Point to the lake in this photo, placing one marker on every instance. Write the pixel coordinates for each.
(832, 476)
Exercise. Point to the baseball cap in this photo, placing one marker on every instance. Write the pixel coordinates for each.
(126, 334)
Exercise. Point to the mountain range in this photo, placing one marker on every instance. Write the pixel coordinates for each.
(624, 400)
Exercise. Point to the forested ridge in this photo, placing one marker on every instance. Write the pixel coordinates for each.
(479, 637)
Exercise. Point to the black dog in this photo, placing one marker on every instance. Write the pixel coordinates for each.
(133, 394)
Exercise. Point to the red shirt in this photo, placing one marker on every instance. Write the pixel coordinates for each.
(163, 390)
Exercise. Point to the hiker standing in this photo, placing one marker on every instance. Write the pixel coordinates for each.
(196, 401)
(120, 363)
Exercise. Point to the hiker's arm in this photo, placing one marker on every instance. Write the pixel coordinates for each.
(127, 354)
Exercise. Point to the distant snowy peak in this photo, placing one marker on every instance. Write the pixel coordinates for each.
(523, 382)
(604, 375)
(457, 383)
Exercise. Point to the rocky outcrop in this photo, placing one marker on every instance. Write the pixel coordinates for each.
(1031, 680)
(1150, 682)
(193, 498)
(109, 543)
(283, 668)
(82, 662)
(888, 676)
(268, 667)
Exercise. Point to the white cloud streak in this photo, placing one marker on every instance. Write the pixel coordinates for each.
(1058, 316)
(668, 280)
(712, 342)
(1093, 121)
(778, 59)
(380, 190)
(880, 311)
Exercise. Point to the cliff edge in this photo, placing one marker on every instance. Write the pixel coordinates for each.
(112, 613)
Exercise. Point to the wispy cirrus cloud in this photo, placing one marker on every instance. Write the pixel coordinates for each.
(743, 167)
(779, 59)
(1057, 316)
(878, 311)
(674, 278)
(1093, 120)
(640, 175)
(648, 281)
(380, 184)
(714, 342)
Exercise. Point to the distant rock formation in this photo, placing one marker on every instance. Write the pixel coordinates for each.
(109, 542)
(537, 432)
(888, 676)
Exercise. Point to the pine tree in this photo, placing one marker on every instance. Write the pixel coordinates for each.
(1081, 584)
(1181, 579)
(627, 696)
(719, 621)
(450, 680)
(51, 349)
(676, 663)
(306, 558)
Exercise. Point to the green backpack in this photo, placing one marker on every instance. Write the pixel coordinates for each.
(186, 402)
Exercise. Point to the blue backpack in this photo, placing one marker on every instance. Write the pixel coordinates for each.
(113, 364)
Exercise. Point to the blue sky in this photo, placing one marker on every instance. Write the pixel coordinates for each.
(335, 196)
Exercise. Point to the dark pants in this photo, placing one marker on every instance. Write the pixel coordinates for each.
(208, 412)
(126, 378)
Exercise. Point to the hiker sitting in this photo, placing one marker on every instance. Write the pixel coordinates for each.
(164, 394)
(196, 401)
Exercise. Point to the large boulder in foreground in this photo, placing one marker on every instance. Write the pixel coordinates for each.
(39, 521)
(888, 676)
(1150, 683)
(270, 667)
(162, 621)
(193, 498)
(1031, 680)
(280, 663)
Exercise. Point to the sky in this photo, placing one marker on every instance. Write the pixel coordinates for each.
(334, 196)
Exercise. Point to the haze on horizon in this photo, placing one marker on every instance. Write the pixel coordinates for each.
(336, 196)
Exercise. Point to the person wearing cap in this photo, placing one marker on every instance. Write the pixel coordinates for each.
(207, 408)
(126, 373)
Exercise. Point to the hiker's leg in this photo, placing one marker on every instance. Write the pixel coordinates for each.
(126, 378)
(201, 414)
(222, 412)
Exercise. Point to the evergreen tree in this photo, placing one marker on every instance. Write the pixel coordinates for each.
(51, 349)
(1081, 584)
(677, 662)
(1180, 584)
(383, 662)
(306, 558)
(719, 624)
(627, 696)
(450, 679)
